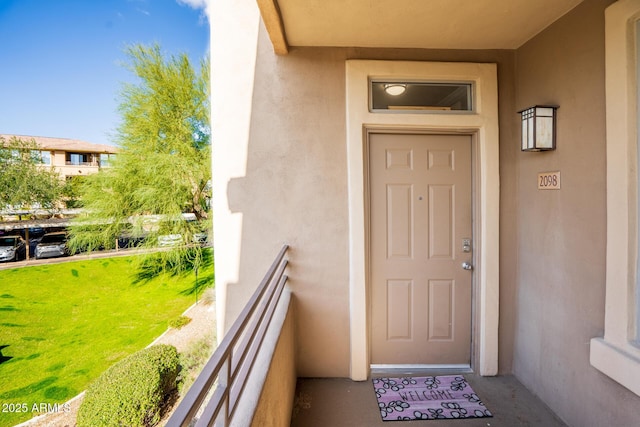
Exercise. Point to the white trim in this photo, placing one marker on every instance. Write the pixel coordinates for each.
(615, 354)
(420, 369)
(483, 121)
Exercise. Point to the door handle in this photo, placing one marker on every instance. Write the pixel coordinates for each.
(467, 266)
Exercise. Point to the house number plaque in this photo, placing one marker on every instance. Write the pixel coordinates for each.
(549, 180)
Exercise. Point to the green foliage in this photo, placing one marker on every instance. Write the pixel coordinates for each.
(132, 392)
(72, 192)
(163, 168)
(179, 322)
(23, 182)
(177, 263)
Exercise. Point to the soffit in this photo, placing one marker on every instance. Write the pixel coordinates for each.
(437, 24)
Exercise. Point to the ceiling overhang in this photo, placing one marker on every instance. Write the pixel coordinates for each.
(429, 24)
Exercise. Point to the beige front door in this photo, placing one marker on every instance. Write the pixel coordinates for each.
(420, 235)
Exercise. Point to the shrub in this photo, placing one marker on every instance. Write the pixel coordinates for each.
(179, 322)
(132, 392)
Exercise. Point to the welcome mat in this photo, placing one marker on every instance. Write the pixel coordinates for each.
(427, 398)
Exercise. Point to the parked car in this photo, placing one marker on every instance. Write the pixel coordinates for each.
(52, 245)
(170, 240)
(199, 237)
(128, 241)
(12, 248)
(171, 232)
(36, 233)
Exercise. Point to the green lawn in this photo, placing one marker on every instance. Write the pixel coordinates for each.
(62, 325)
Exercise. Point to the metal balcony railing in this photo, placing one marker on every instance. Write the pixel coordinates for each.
(225, 374)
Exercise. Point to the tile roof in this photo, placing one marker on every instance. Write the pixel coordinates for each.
(66, 144)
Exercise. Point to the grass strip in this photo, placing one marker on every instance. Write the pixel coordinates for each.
(62, 325)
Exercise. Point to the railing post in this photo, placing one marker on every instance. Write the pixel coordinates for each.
(224, 379)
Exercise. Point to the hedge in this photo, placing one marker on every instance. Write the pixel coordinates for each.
(132, 392)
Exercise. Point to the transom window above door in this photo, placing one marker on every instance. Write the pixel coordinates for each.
(420, 96)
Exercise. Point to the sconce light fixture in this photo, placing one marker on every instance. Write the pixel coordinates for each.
(395, 89)
(539, 128)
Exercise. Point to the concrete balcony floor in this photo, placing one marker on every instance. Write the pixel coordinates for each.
(336, 402)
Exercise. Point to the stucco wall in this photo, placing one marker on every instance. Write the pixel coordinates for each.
(295, 191)
(561, 234)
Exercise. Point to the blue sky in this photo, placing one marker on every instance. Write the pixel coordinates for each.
(61, 60)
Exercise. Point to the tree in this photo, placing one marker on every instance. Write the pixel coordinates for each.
(24, 182)
(72, 192)
(163, 167)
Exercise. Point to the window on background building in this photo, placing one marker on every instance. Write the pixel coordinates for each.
(45, 157)
(77, 158)
(42, 157)
(105, 159)
(15, 154)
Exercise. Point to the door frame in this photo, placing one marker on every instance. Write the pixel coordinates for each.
(482, 122)
(368, 131)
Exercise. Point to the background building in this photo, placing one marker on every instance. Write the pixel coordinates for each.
(71, 157)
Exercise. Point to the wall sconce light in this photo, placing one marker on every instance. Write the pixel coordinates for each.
(395, 89)
(539, 128)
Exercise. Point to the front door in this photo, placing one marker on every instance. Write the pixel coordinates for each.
(420, 236)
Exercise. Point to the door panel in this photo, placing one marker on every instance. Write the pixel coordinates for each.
(420, 211)
(399, 224)
(399, 297)
(440, 214)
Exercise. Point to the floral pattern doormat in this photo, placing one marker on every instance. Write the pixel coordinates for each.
(427, 398)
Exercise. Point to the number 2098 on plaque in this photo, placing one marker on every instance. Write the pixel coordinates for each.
(549, 181)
